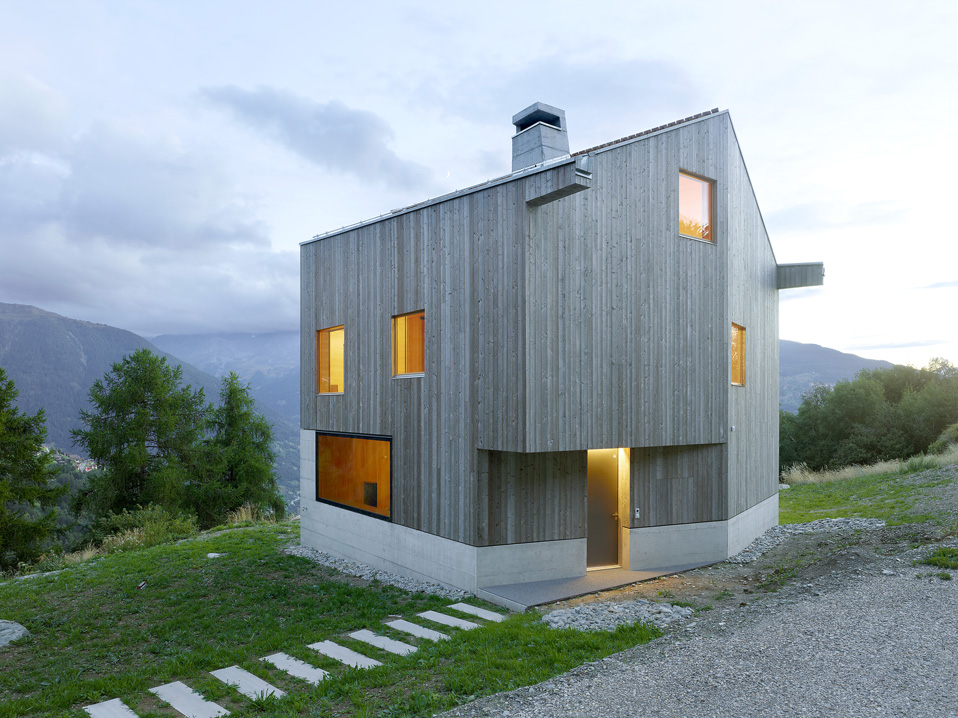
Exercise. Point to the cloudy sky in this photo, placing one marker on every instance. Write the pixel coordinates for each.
(161, 161)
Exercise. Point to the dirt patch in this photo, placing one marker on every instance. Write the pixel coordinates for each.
(803, 563)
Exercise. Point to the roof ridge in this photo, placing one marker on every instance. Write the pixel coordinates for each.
(713, 111)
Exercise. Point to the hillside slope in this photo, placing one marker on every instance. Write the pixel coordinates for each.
(54, 361)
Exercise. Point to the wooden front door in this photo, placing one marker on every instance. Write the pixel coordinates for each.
(602, 532)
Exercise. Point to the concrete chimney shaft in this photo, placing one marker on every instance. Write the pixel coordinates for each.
(541, 135)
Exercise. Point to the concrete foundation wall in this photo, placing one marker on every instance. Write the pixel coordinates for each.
(663, 546)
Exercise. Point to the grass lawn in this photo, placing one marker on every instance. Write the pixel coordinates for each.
(98, 636)
(887, 496)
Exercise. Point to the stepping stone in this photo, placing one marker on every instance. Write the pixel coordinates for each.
(110, 709)
(251, 686)
(416, 630)
(297, 668)
(447, 620)
(187, 701)
(387, 644)
(344, 655)
(479, 612)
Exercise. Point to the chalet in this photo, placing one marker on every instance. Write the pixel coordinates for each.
(571, 367)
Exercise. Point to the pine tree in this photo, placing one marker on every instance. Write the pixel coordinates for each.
(145, 430)
(28, 493)
(238, 467)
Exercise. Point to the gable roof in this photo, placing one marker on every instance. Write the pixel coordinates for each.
(690, 118)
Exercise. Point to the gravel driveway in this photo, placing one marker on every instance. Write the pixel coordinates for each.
(860, 643)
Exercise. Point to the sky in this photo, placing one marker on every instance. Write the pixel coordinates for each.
(161, 161)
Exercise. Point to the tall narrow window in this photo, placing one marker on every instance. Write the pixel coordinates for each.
(695, 207)
(409, 339)
(353, 471)
(738, 355)
(330, 344)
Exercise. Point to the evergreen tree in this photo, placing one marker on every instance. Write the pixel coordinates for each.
(28, 492)
(145, 431)
(238, 466)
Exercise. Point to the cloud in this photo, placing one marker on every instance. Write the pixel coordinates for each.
(813, 217)
(33, 115)
(942, 285)
(330, 135)
(901, 345)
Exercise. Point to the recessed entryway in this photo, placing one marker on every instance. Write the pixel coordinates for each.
(607, 492)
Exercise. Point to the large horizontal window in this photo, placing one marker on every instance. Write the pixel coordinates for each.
(738, 355)
(409, 339)
(330, 346)
(354, 472)
(695, 207)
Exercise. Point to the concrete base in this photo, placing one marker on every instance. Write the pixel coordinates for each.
(703, 543)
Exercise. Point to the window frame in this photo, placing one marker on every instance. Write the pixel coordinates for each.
(319, 361)
(394, 350)
(710, 185)
(354, 509)
(742, 350)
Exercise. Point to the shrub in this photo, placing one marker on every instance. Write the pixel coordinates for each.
(948, 437)
(141, 528)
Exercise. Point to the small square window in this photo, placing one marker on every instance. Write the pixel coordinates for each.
(409, 339)
(695, 207)
(330, 346)
(738, 355)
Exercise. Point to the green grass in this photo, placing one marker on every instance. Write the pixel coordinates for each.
(96, 636)
(942, 557)
(888, 496)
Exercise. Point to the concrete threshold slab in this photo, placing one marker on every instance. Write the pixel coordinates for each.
(520, 596)
(251, 686)
(297, 668)
(110, 709)
(187, 701)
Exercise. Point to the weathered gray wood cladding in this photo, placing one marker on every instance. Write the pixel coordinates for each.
(810, 274)
(562, 314)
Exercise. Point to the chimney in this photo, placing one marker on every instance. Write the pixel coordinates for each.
(541, 134)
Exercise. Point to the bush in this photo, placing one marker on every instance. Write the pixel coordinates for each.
(948, 437)
(142, 528)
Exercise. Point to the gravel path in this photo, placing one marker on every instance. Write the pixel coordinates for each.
(868, 645)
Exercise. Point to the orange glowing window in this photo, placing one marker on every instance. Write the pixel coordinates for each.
(353, 472)
(330, 345)
(738, 355)
(409, 340)
(695, 207)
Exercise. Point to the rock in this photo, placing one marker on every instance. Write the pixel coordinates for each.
(886, 572)
(10, 631)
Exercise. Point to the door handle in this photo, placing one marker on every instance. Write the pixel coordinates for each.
(615, 516)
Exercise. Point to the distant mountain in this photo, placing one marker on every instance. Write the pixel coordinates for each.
(802, 366)
(54, 361)
(269, 363)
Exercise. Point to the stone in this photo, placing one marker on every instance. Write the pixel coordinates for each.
(11, 631)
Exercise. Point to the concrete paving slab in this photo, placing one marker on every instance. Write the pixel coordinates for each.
(187, 701)
(297, 668)
(479, 612)
(110, 709)
(387, 644)
(344, 655)
(445, 620)
(416, 630)
(246, 683)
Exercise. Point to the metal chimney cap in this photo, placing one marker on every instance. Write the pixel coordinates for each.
(539, 112)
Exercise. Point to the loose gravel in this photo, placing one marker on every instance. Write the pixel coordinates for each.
(775, 535)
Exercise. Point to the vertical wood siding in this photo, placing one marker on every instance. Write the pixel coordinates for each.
(678, 485)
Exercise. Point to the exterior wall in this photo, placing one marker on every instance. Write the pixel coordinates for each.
(678, 485)
(626, 319)
(753, 304)
(532, 497)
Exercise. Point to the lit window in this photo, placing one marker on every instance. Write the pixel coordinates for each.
(353, 472)
(695, 207)
(738, 355)
(329, 360)
(409, 339)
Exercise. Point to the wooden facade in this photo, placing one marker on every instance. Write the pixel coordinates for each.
(563, 312)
